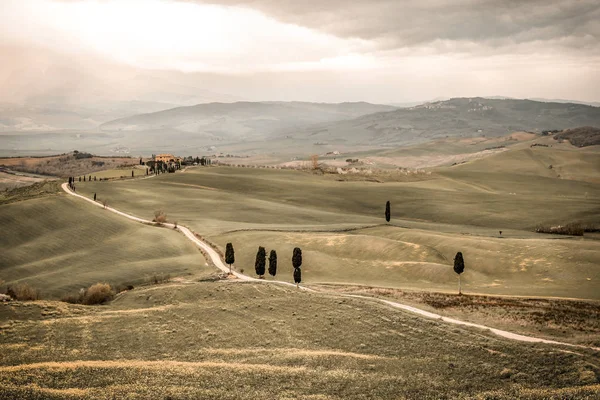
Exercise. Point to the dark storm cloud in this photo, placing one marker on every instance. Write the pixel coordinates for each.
(393, 24)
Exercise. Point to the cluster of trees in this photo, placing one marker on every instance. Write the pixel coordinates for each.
(260, 265)
(80, 155)
(160, 167)
(84, 178)
(189, 160)
(72, 182)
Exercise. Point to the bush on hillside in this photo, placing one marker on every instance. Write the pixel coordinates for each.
(569, 229)
(160, 217)
(98, 293)
(159, 278)
(23, 292)
(81, 155)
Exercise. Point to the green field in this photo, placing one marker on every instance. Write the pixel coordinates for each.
(340, 224)
(231, 340)
(60, 244)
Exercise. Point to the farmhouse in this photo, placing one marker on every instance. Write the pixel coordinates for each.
(167, 158)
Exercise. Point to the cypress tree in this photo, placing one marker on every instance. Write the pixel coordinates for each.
(297, 276)
(79, 179)
(297, 257)
(84, 178)
(297, 263)
(273, 263)
(459, 267)
(229, 255)
(94, 196)
(387, 211)
(259, 264)
(132, 173)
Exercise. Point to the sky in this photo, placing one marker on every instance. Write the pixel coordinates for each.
(381, 51)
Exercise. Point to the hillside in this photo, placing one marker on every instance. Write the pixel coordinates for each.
(60, 245)
(243, 120)
(337, 223)
(459, 117)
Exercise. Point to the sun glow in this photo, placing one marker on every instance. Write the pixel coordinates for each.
(186, 36)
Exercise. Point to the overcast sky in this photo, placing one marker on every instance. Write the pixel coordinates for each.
(316, 50)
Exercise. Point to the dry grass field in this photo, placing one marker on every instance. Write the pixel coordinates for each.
(230, 340)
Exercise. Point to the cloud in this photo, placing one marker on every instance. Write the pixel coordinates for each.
(326, 50)
(398, 24)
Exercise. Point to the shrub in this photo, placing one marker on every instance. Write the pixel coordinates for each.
(160, 217)
(23, 292)
(159, 278)
(569, 229)
(98, 294)
(74, 298)
(79, 156)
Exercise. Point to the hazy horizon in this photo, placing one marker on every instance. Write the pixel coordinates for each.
(79, 52)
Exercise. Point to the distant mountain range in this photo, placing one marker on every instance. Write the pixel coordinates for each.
(459, 117)
(541, 99)
(243, 120)
(297, 127)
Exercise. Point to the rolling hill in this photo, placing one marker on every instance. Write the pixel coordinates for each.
(459, 117)
(295, 127)
(59, 245)
(243, 120)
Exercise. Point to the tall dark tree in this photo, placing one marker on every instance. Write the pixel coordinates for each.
(84, 178)
(94, 196)
(459, 267)
(273, 263)
(259, 264)
(141, 162)
(146, 171)
(79, 179)
(132, 173)
(297, 276)
(297, 257)
(229, 255)
(388, 214)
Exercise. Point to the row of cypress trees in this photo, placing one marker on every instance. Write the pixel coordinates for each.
(260, 263)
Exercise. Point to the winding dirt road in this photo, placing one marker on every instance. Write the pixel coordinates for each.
(218, 262)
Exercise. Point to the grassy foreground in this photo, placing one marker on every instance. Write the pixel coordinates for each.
(231, 340)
